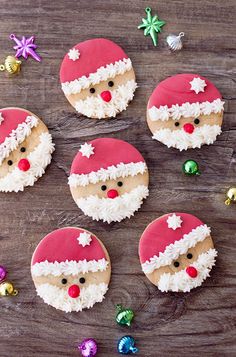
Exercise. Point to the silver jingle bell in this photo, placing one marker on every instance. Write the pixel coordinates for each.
(175, 42)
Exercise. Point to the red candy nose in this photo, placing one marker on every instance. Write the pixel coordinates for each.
(112, 194)
(191, 271)
(74, 291)
(24, 165)
(189, 128)
(106, 95)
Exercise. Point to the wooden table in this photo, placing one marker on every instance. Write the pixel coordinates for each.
(200, 323)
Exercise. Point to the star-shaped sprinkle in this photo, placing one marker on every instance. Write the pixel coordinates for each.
(86, 150)
(73, 54)
(25, 47)
(198, 85)
(151, 25)
(174, 221)
(84, 239)
(1, 118)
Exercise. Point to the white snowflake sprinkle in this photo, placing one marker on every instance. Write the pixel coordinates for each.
(84, 239)
(73, 54)
(198, 85)
(174, 221)
(86, 150)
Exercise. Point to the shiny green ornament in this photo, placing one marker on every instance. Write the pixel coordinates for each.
(151, 25)
(190, 167)
(124, 316)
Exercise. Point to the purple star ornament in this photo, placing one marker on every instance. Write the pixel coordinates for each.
(25, 47)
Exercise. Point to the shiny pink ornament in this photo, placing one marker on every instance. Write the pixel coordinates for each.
(25, 47)
(88, 347)
(3, 273)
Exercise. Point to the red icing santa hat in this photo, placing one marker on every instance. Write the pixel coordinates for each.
(68, 251)
(15, 127)
(187, 95)
(91, 62)
(105, 159)
(169, 236)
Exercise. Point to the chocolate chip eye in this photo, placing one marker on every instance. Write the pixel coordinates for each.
(196, 121)
(176, 264)
(63, 281)
(119, 183)
(189, 255)
(92, 90)
(110, 83)
(10, 162)
(82, 280)
(176, 123)
(103, 187)
(22, 149)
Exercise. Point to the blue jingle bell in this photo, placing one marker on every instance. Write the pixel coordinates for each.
(126, 346)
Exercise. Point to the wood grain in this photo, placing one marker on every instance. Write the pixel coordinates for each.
(201, 323)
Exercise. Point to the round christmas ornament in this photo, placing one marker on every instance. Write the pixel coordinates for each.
(108, 179)
(126, 345)
(124, 316)
(231, 196)
(97, 78)
(88, 348)
(190, 168)
(185, 111)
(71, 269)
(11, 64)
(25, 149)
(176, 252)
(7, 289)
(3, 273)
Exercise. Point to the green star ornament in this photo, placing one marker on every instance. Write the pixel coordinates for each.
(151, 25)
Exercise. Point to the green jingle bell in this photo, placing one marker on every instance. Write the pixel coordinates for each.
(190, 168)
(124, 316)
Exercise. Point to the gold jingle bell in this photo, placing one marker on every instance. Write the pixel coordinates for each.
(11, 65)
(231, 196)
(7, 289)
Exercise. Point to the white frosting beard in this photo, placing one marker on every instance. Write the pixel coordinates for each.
(181, 281)
(113, 210)
(95, 107)
(39, 159)
(181, 140)
(59, 298)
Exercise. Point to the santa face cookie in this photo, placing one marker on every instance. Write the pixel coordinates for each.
(185, 111)
(97, 78)
(108, 179)
(25, 149)
(176, 252)
(71, 269)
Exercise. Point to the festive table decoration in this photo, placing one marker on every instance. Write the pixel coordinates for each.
(88, 347)
(7, 289)
(190, 168)
(231, 196)
(126, 345)
(25, 47)
(3, 273)
(124, 316)
(11, 65)
(175, 41)
(151, 25)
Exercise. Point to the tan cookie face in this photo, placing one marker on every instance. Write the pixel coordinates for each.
(97, 78)
(25, 149)
(105, 98)
(177, 252)
(185, 111)
(76, 275)
(109, 179)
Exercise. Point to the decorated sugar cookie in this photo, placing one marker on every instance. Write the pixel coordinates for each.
(97, 78)
(71, 269)
(25, 149)
(108, 179)
(185, 111)
(176, 252)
